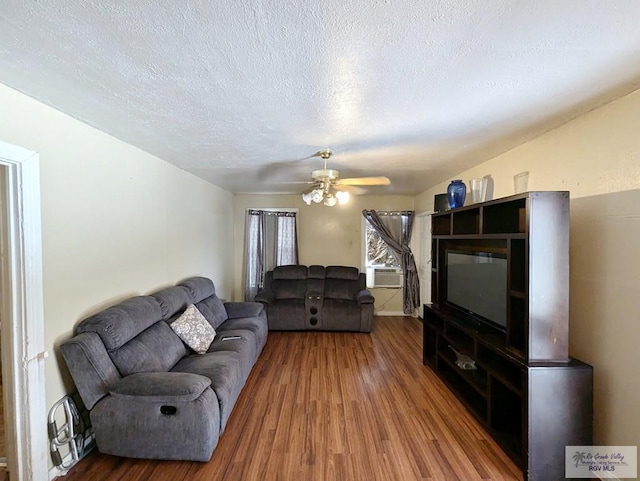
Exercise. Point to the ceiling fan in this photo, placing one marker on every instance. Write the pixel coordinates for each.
(330, 188)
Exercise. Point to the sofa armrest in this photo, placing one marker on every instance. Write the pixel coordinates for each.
(164, 387)
(265, 296)
(243, 309)
(365, 297)
(92, 369)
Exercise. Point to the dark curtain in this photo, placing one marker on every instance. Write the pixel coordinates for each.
(395, 230)
(271, 240)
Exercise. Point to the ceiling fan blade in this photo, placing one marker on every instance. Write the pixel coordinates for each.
(297, 182)
(352, 189)
(364, 181)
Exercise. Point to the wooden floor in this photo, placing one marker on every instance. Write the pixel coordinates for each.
(336, 406)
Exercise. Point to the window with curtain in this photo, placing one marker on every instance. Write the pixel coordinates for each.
(271, 240)
(377, 252)
(393, 231)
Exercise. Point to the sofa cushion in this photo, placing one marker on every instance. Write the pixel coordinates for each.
(290, 272)
(157, 348)
(341, 315)
(241, 341)
(194, 330)
(225, 369)
(172, 300)
(289, 288)
(257, 325)
(342, 272)
(244, 309)
(213, 310)
(199, 288)
(287, 315)
(118, 324)
(316, 272)
(340, 289)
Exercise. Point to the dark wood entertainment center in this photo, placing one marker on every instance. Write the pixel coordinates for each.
(525, 389)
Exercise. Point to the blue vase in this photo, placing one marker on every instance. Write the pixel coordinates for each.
(456, 192)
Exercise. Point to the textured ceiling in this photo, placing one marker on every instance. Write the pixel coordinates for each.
(241, 92)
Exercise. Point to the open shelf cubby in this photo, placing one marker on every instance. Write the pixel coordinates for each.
(505, 218)
(442, 226)
(525, 389)
(466, 222)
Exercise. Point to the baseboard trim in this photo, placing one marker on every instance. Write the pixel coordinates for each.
(390, 313)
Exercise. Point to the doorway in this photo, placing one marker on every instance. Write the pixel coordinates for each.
(422, 249)
(21, 310)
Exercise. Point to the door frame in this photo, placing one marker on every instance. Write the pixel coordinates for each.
(423, 252)
(22, 307)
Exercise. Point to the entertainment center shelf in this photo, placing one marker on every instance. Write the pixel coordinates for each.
(532, 410)
(521, 228)
(508, 363)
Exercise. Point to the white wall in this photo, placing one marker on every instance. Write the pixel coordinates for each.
(597, 158)
(326, 235)
(116, 221)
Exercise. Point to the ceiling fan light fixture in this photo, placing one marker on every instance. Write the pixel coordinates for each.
(330, 200)
(343, 196)
(307, 197)
(326, 195)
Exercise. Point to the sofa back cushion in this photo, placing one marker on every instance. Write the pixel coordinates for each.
(173, 301)
(316, 272)
(203, 295)
(290, 272)
(156, 349)
(342, 272)
(289, 288)
(199, 288)
(135, 337)
(341, 282)
(213, 310)
(289, 282)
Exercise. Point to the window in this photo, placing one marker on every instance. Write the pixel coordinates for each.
(395, 229)
(271, 240)
(381, 263)
(377, 253)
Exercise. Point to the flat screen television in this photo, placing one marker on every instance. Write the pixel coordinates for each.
(477, 284)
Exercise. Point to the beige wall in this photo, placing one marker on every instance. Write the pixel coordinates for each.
(597, 158)
(119, 222)
(116, 221)
(326, 235)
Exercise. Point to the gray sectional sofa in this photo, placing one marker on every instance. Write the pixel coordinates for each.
(332, 298)
(149, 394)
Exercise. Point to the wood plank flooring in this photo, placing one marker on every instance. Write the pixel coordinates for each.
(336, 407)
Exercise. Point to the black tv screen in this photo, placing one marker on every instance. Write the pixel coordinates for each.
(477, 284)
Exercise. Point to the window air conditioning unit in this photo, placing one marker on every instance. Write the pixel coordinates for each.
(384, 277)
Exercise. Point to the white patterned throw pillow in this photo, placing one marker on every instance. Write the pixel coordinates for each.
(194, 330)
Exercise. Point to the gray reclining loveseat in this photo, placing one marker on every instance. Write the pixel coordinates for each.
(333, 298)
(149, 394)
